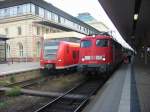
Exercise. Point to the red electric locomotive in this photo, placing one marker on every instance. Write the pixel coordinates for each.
(99, 53)
(57, 54)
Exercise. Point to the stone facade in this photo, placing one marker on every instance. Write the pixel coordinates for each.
(24, 37)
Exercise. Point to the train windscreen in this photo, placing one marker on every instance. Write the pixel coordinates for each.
(85, 43)
(102, 42)
(50, 49)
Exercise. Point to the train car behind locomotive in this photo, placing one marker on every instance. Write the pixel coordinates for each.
(100, 54)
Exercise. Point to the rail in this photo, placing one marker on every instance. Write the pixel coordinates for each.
(26, 83)
(62, 104)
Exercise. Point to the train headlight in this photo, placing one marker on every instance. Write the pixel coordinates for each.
(103, 58)
(83, 59)
(42, 66)
(59, 60)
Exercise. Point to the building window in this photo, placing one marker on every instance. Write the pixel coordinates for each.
(47, 30)
(7, 12)
(26, 8)
(87, 31)
(19, 30)
(8, 50)
(75, 25)
(41, 12)
(54, 17)
(19, 10)
(12, 11)
(1, 13)
(45, 14)
(38, 49)
(81, 28)
(32, 9)
(78, 26)
(38, 31)
(20, 49)
(15, 11)
(62, 20)
(49, 15)
(6, 31)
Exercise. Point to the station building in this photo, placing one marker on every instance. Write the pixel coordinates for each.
(26, 21)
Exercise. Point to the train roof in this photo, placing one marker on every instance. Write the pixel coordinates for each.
(98, 37)
(63, 35)
(70, 43)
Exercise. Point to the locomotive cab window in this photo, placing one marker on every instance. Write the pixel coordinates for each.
(102, 42)
(85, 43)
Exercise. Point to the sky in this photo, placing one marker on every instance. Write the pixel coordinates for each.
(73, 7)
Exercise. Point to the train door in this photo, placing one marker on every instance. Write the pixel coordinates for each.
(74, 55)
(67, 55)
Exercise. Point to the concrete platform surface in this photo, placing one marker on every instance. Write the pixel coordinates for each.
(6, 69)
(141, 81)
(115, 94)
(128, 90)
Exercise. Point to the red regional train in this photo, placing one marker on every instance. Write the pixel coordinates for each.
(99, 53)
(56, 54)
(60, 51)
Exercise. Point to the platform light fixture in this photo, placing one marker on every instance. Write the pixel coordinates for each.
(136, 17)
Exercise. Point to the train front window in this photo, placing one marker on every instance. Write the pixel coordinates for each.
(102, 42)
(50, 49)
(85, 43)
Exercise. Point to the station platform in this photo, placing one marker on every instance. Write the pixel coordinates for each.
(128, 90)
(6, 69)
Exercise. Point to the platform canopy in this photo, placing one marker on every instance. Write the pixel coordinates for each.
(50, 24)
(3, 38)
(131, 18)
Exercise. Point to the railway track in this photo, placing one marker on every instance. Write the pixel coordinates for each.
(33, 81)
(29, 82)
(26, 83)
(62, 104)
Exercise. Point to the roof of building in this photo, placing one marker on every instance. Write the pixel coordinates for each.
(45, 5)
(86, 17)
